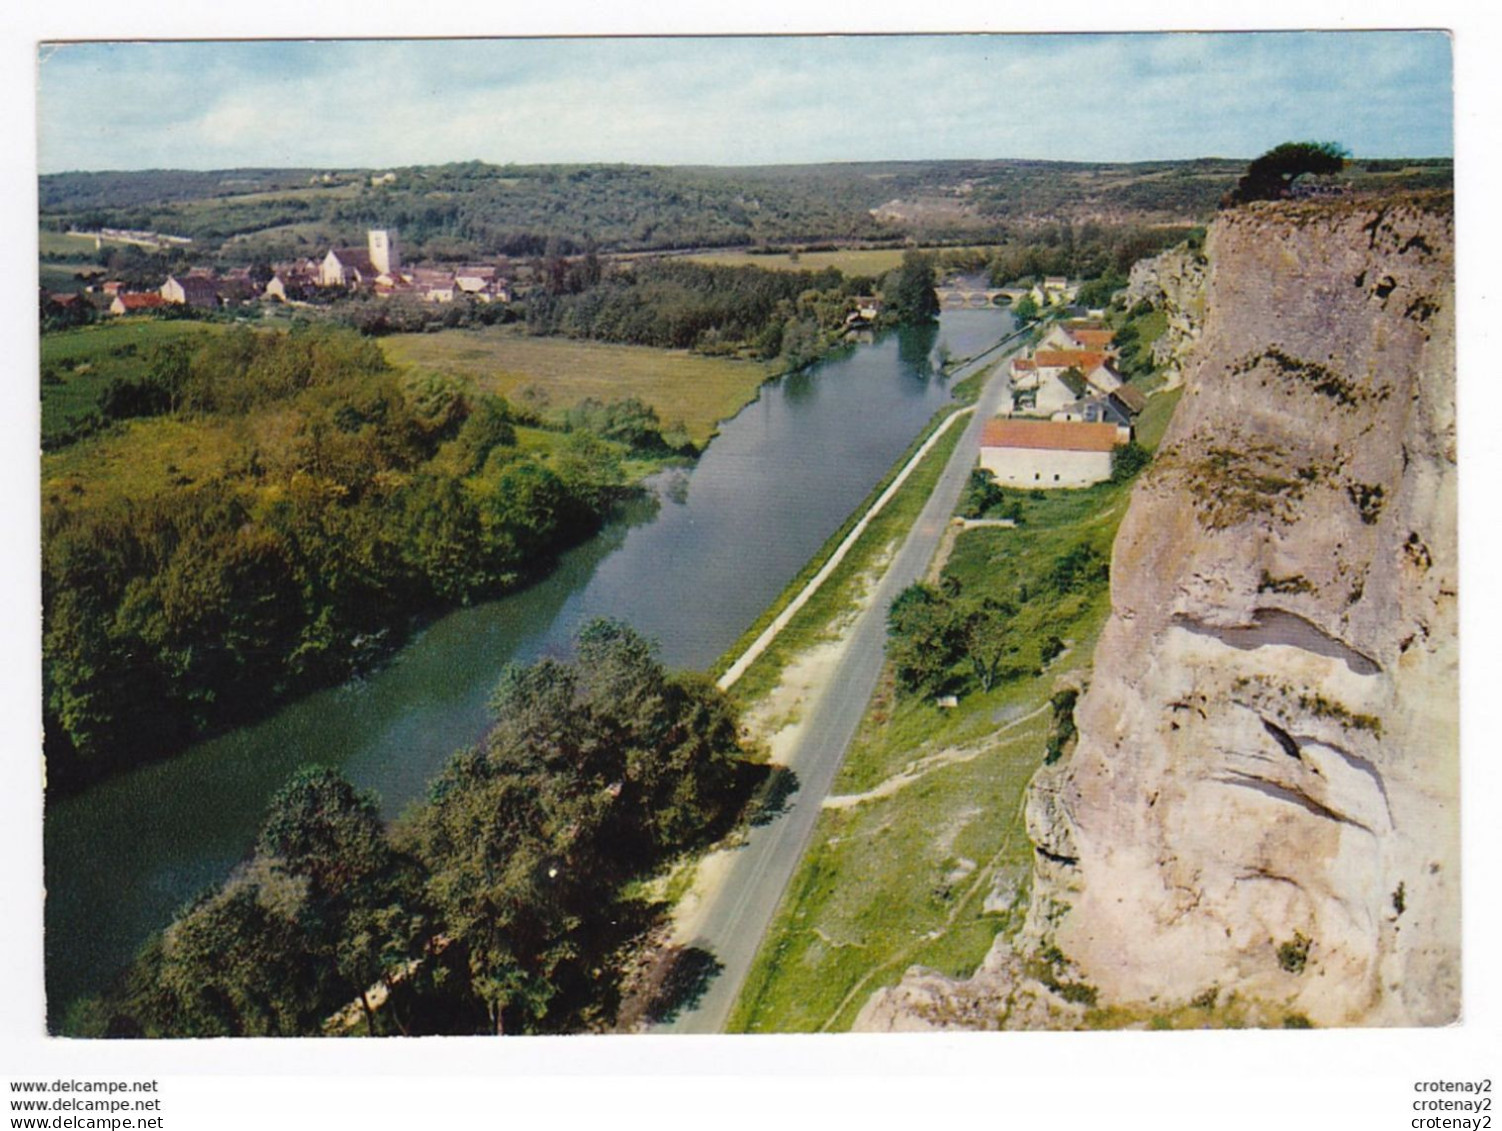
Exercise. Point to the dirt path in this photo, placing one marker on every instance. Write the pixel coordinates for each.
(915, 771)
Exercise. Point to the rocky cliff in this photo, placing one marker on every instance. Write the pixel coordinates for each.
(1261, 812)
(1173, 282)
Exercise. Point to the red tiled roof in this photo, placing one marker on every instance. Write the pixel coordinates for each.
(1049, 435)
(1083, 360)
(1093, 339)
(140, 301)
(1023, 364)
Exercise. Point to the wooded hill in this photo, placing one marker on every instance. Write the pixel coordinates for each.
(474, 209)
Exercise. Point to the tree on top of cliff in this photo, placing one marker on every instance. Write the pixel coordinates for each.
(1271, 176)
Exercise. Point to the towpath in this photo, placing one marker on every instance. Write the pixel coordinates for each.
(732, 917)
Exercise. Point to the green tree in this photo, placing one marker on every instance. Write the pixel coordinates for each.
(1271, 176)
(361, 915)
(910, 290)
(925, 638)
(487, 427)
(1128, 460)
(987, 638)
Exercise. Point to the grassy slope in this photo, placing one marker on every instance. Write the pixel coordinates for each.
(86, 359)
(554, 374)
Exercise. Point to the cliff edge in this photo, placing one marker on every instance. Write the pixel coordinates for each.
(1262, 807)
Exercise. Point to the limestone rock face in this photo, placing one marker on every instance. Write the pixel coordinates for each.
(1264, 797)
(1173, 282)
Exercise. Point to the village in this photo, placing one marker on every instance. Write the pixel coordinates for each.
(1070, 410)
(375, 269)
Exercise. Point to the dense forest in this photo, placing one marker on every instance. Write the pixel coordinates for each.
(265, 511)
(503, 904)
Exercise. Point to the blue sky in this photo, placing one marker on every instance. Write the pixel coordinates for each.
(747, 100)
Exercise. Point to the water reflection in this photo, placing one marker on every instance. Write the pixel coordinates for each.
(915, 345)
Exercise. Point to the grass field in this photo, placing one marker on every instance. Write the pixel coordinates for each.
(139, 459)
(851, 262)
(61, 243)
(62, 278)
(77, 364)
(554, 374)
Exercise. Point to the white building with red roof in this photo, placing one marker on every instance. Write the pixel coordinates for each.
(133, 302)
(1047, 453)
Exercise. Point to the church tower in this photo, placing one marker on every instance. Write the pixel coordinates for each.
(385, 257)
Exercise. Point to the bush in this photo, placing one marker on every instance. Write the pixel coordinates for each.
(1128, 460)
(1293, 955)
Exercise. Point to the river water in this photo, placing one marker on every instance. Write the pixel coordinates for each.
(691, 567)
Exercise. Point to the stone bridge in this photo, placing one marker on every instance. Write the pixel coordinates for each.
(957, 297)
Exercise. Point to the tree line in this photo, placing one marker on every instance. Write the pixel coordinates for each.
(723, 310)
(505, 903)
(340, 503)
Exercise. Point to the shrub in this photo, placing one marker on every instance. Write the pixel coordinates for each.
(1293, 955)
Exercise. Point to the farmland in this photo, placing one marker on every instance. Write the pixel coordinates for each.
(551, 375)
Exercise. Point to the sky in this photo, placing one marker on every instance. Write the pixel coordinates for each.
(738, 100)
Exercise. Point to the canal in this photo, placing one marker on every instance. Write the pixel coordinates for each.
(691, 566)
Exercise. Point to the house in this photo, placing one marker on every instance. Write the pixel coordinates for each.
(1046, 453)
(1047, 391)
(236, 285)
(1090, 338)
(1129, 400)
(346, 267)
(1054, 291)
(192, 290)
(361, 266)
(292, 281)
(1092, 365)
(133, 302)
(433, 284)
(1079, 334)
(1098, 410)
(867, 310)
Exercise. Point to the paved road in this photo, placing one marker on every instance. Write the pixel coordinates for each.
(736, 916)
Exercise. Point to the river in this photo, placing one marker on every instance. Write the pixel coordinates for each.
(691, 567)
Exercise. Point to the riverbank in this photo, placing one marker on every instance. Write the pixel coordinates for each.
(808, 721)
(746, 665)
(781, 679)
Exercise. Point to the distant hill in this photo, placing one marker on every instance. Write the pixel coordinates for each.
(474, 209)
